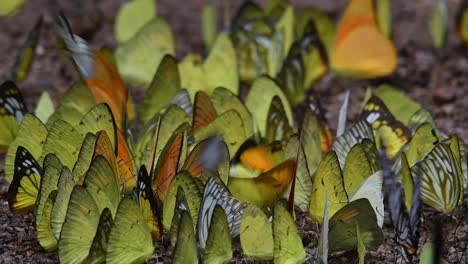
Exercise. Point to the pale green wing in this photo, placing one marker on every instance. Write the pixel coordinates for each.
(310, 139)
(131, 17)
(439, 24)
(130, 238)
(59, 210)
(383, 10)
(219, 243)
(31, 133)
(422, 142)
(185, 251)
(256, 234)
(259, 98)
(288, 247)
(79, 227)
(371, 189)
(138, 58)
(97, 252)
(303, 184)
(45, 236)
(99, 118)
(342, 232)
(407, 181)
(193, 196)
(101, 184)
(84, 157)
(220, 66)
(51, 174)
(76, 101)
(358, 167)
(164, 86)
(328, 178)
(224, 100)
(209, 24)
(45, 107)
(64, 141)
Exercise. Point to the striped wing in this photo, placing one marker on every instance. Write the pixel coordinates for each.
(216, 194)
(345, 142)
(441, 184)
(405, 220)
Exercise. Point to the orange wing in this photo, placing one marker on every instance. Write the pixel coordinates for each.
(326, 138)
(107, 86)
(192, 163)
(168, 164)
(361, 50)
(258, 157)
(265, 189)
(204, 111)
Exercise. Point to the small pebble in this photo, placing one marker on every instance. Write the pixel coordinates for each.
(444, 95)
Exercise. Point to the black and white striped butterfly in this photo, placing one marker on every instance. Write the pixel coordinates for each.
(405, 220)
(355, 134)
(216, 194)
(441, 183)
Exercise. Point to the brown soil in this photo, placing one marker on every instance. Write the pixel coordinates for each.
(438, 80)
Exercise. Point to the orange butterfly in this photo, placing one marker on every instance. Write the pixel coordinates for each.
(361, 50)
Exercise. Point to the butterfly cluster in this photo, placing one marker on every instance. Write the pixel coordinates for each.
(200, 164)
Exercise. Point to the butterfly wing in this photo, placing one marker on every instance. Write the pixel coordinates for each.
(12, 111)
(24, 188)
(216, 194)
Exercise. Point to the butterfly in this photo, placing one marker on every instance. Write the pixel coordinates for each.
(344, 143)
(287, 241)
(186, 245)
(256, 234)
(267, 187)
(361, 49)
(439, 24)
(25, 58)
(405, 220)
(216, 194)
(350, 224)
(219, 248)
(390, 132)
(144, 197)
(360, 178)
(441, 182)
(137, 59)
(131, 17)
(103, 81)
(259, 101)
(12, 111)
(24, 188)
(304, 65)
